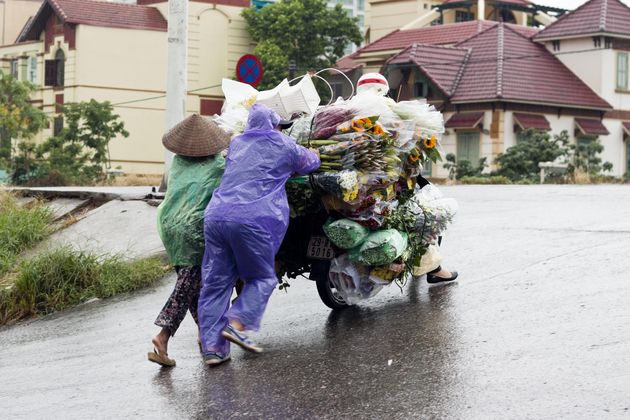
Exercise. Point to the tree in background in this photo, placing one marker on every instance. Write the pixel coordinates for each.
(19, 118)
(307, 32)
(586, 157)
(458, 169)
(79, 154)
(520, 162)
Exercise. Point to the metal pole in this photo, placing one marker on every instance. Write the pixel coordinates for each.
(176, 72)
(481, 9)
(4, 20)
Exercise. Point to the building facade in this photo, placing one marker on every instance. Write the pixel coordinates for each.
(494, 79)
(77, 50)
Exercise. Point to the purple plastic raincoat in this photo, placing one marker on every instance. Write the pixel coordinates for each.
(245, 223)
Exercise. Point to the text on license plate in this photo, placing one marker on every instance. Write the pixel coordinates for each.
(319, 247)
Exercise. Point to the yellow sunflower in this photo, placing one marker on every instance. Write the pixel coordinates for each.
(430, 143)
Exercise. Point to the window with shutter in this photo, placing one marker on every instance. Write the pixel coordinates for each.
(58, 126)
(622, 70)
(50, 72)
(60, 59)
(468, 146)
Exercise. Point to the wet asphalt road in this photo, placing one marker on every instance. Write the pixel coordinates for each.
(537, 327)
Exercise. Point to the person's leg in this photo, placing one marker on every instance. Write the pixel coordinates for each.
(441, 274)
(193, 303)
(218, 277)
(254, 250)
(174, 311)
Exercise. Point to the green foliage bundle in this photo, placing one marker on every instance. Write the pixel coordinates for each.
(308, 32)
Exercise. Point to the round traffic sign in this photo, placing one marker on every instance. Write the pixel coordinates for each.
(249, 70)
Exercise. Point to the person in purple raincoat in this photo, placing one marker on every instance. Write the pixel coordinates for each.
(244, 225)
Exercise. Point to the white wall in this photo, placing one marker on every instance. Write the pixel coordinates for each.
(618, 99)
(614, 146)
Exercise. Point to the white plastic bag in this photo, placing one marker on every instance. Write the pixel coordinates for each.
(352, 280)
(429, 261)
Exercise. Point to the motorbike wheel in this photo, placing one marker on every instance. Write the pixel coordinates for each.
(328, 294)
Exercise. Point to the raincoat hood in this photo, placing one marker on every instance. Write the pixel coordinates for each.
(262, 118)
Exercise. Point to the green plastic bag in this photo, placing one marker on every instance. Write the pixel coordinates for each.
(382, 247)
(345, 233)
(191, 183)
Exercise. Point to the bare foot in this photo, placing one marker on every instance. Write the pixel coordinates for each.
(443, 273)
(160, 341)
(237, 325)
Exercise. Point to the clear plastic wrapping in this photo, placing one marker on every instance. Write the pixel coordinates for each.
(382, 247)
(352, 280)
(345, 233)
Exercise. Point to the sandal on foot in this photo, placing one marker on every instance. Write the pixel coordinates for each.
(435, 279)
(212, 358)
(160, 358)
(241, 339)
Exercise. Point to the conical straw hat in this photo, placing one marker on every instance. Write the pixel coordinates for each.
(196, 136)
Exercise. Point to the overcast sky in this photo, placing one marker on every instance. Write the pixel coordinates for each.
(566, 4)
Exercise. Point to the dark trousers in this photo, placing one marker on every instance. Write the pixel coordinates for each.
(184, 298)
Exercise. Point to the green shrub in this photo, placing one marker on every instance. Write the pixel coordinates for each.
(20, 228)
(485, 180)
(458, 169)
(521, 161)
(64, 277)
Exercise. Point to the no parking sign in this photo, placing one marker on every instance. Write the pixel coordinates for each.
(249, 70)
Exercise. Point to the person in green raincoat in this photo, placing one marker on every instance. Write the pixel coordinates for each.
(195, 173)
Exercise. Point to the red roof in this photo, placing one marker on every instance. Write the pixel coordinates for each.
(594, 16)
(591, 127)
(437, 35)
(443, 65)
(534, 121)
(347, 63)
(464, 120)
(506, 65)
(96, 13)
(626, 127)
(448, 34)
(517, 2)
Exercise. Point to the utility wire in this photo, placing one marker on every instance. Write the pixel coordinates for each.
(150, 98)
(434, 64)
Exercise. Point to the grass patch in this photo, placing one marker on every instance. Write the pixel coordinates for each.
(64, 277)
(486, 180)
(135, 180)
(20, 228)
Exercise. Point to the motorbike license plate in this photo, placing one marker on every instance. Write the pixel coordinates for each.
(319, 247)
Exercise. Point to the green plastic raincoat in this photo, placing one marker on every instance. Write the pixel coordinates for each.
(180, 216)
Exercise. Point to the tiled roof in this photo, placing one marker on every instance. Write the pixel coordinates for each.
(517, 2)
(443, 65)
(347, 63)
(506, 65)
(626, 127)
(96, 13)
(117, 15)
(464, 120)
(594, 16)
(448, 34)
(591, 127)
(535, 121)
(436, 35)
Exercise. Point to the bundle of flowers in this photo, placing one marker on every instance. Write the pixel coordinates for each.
(368, 178)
